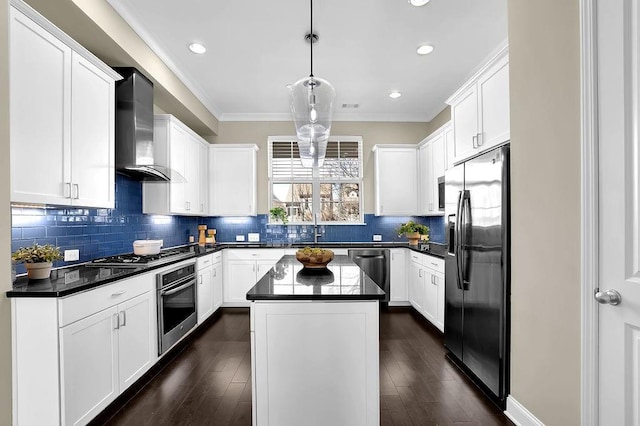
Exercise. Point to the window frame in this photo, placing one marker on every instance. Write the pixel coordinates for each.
(316, 180)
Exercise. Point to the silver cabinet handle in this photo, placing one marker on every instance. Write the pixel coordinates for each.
(474, 141)
(479, 139)
(215, 272)
(199, 279)
(115, 321)
(77, 187)
(254, 267)
(118, 293)
(420, 272)
(67, 190)
(434, 264)
(609, 297)
(122, 319)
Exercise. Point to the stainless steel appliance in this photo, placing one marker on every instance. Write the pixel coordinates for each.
(376, 264)
(441, 193)
(177, 303)
(130, 260)
(477, 270)
(134, 129)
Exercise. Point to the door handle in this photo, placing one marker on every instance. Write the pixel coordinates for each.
(122, 319)
(609, 297)
(77, 187)
(67, 190)
(474, 140)
(115, 321)
(479, 139)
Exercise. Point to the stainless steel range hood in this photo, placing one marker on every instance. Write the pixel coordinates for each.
(134, 128)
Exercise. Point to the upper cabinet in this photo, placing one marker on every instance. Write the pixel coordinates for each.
(180, 149)
(62, 117)
(232, 179)
(431, 166)
(480, 109)
(396, 180)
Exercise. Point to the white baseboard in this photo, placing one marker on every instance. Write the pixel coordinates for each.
(519, 415)
(399, 304)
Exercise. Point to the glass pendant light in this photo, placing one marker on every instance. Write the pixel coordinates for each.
(311, 100)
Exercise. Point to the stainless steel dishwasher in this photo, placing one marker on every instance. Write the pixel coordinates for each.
(376, 264)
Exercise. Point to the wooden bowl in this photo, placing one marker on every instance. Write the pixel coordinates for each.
(314, 261)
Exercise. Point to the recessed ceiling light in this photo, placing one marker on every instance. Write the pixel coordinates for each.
(418, 2)
(197, 48)
(424, 49)
(395, 94)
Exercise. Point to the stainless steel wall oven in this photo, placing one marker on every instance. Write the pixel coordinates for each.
(176, 304)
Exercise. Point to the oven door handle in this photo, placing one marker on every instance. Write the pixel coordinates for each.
(177, 289)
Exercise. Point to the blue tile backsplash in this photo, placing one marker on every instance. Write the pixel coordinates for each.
(105, 232)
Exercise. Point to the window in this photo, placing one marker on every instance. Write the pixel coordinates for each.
(333, 190)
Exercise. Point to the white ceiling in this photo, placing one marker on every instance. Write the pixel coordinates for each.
(367, 48)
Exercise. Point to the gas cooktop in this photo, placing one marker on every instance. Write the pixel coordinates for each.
(131, 260)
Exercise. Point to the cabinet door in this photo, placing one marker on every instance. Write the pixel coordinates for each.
(449, 147)
(92, 135)
(40, 110)
(416, 287)
(136, 349)
(217, 285)
(192, 175)
(178, 144)
(239, 277)
(262, 267)
(396, 181)
(493, 89)
(439, 282)
(430, 301)
(425, 181)
(464, 114)
(399, 276)
(205, 293)
(232, 181)
(89, 366)
(438, 164)
(203, 195)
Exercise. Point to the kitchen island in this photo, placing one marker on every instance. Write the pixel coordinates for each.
(314, 345)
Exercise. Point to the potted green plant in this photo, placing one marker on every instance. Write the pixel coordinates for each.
(413, 231)
(37, 259)
(279, 214)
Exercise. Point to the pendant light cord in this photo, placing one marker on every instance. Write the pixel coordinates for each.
(311, 38)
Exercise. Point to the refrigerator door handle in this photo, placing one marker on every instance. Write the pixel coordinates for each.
(465, 222)
(458, 245)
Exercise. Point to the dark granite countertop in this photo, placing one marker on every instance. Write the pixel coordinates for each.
(77, 278)
(341, 280)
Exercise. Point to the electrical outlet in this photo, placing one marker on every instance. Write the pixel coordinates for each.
(377, 237)
(239, 237)
(71, 255)
(72, 276)
(254, 237)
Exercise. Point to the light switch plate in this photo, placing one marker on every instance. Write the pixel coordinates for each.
(71, 255)
(239, 237)
(72, 276)
(377, 237)
(254, 237)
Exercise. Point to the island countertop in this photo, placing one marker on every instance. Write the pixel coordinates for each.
(342, 279)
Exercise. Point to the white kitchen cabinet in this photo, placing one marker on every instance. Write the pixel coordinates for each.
(242, 270)
(203, 170)
(232, 180)
(62, 117)
(416, 286)
(431, 166)
(181, 149)
(76, 354)
(449, 146)
(396, 180)
(399, 283)
(426, 287)
(480, 109)
(209, 285)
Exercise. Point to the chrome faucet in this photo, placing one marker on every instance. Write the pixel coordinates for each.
(316, 234)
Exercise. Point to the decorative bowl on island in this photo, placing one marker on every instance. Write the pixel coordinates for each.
(314, 258)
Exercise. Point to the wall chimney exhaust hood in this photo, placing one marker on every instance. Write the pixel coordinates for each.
(134, 129)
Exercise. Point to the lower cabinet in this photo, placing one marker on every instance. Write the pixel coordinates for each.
(75, 355)
(242, 270)
(426, 287)
(209, 285)
(399, 283)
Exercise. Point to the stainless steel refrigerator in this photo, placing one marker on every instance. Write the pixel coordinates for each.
(477, 270)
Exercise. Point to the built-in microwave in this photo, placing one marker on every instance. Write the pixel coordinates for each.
(441, 193)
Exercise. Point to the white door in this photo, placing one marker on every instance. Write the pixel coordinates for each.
(177, 148)
(619, 203)
(135, 338)
(465, 124)
(430, 301)
(217, 285)
(239, 277)
(205, 294)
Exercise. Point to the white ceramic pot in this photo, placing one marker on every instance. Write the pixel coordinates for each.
(146, 247)
(38, 271)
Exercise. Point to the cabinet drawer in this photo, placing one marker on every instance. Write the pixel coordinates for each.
(434, 263)
(254, 254)
(217, 257)
(204, 261)
(78, 306)
(415, 257)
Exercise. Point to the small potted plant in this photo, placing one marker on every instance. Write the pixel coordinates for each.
(279, 214)
(37, 259)
(413, 231)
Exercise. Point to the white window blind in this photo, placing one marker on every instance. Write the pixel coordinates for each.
(343, 161)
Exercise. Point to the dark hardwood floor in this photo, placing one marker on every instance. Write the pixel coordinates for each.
(209, 382)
